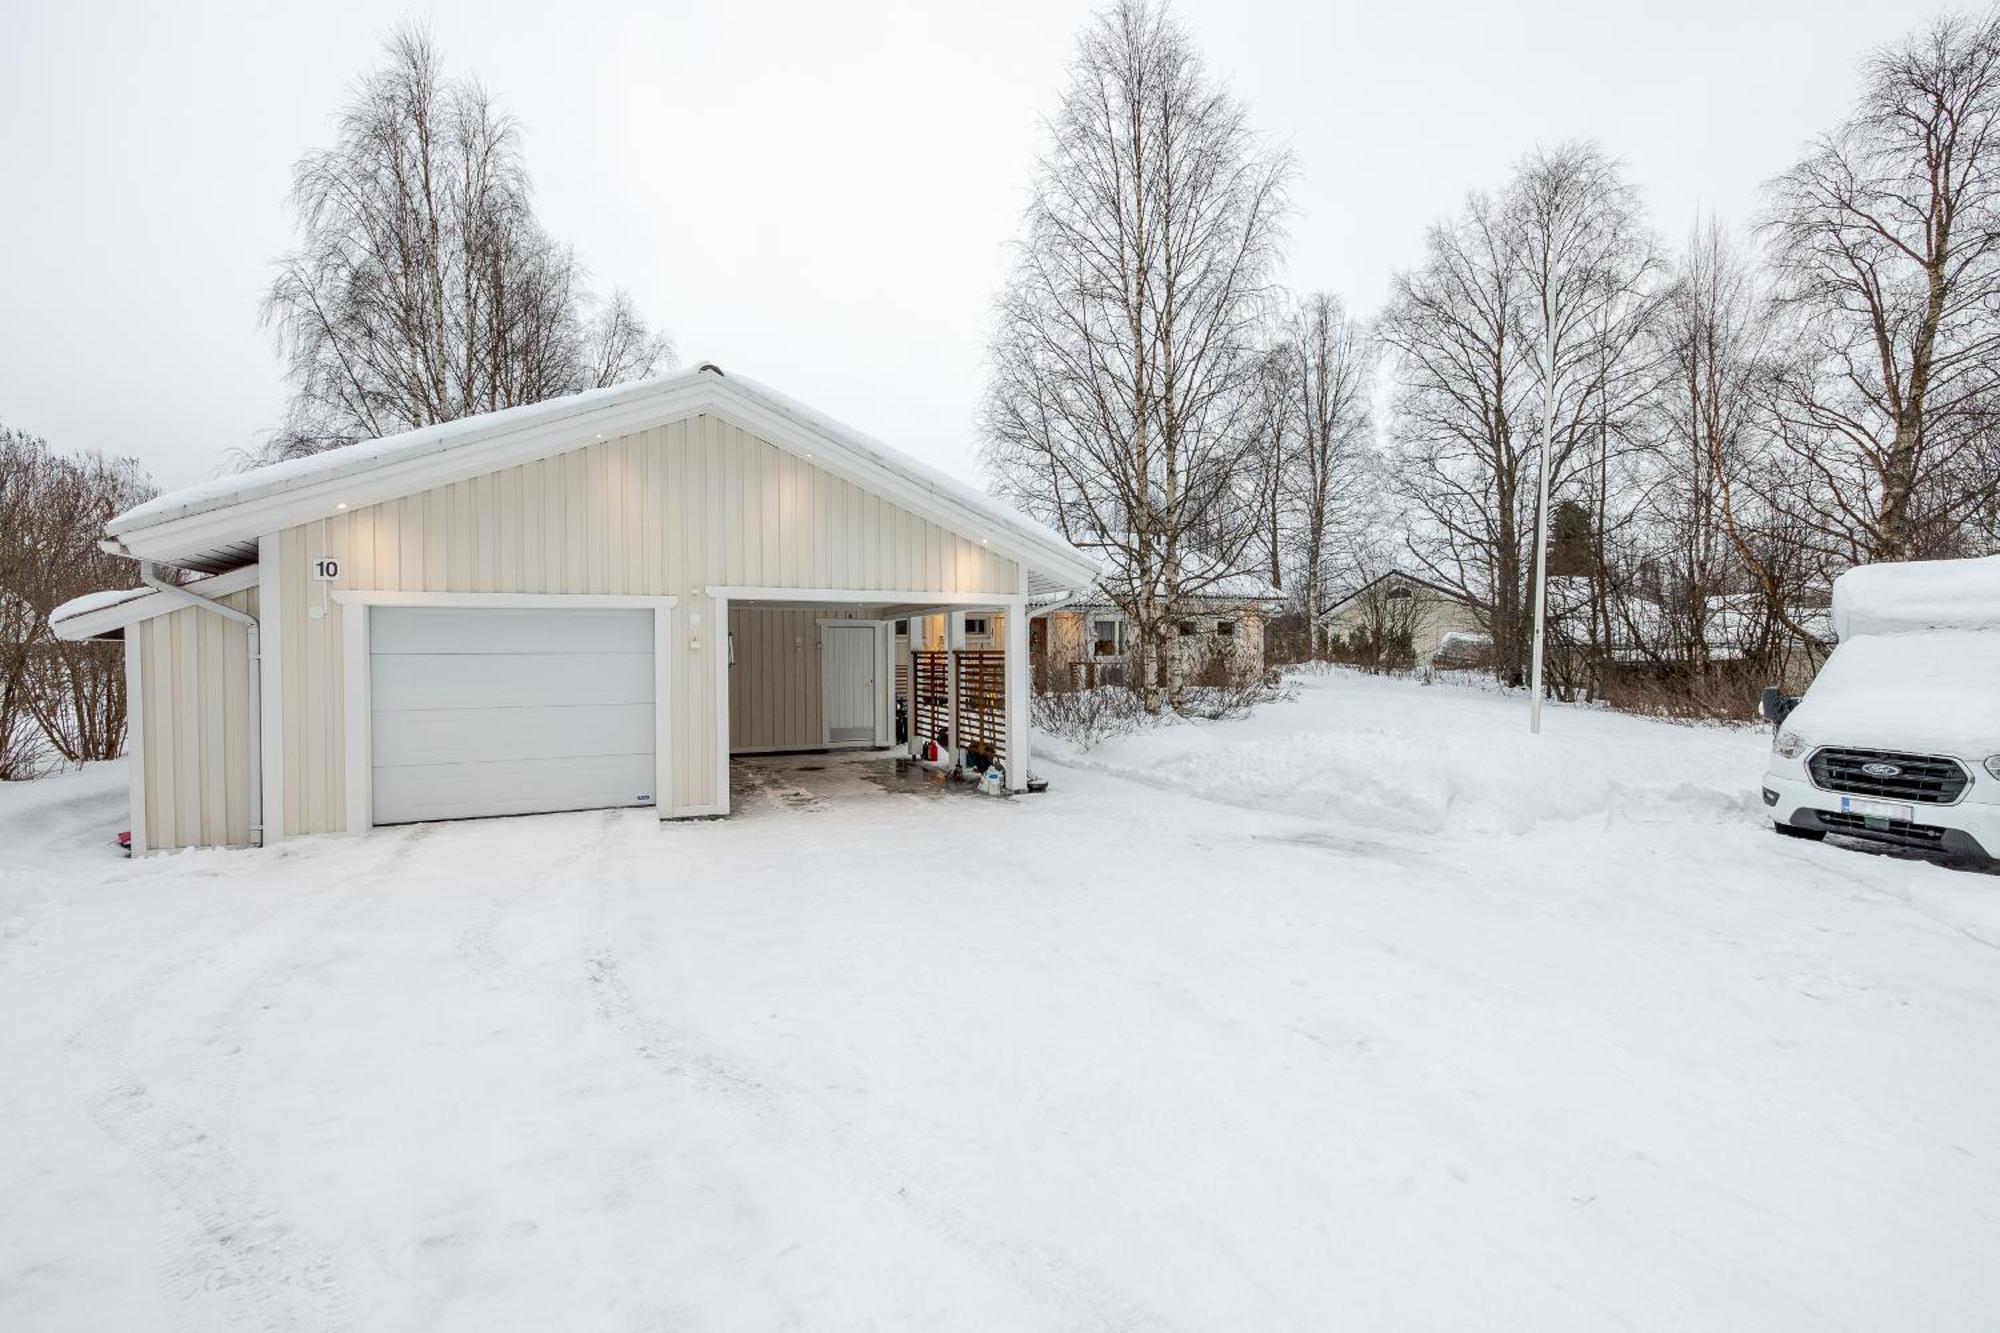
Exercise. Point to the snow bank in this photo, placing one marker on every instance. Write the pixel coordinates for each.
(1929, 691)
(1368, 752)
(1917, 595)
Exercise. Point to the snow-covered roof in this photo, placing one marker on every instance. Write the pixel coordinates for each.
(215, 524)
(96, 614)
(95, 601)
(1204, 577)
(1916, 595)
(1732, 623)
(1403, 576)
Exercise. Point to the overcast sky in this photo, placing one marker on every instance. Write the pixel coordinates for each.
(819, 195)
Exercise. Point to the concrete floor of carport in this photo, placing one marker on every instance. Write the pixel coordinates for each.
(766, 783)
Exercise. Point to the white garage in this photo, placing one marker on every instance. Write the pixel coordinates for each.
(589, 602)
(510, 711)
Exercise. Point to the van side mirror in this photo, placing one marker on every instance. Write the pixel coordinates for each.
(1774, 706)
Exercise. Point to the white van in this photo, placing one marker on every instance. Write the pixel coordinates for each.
(1898, 738)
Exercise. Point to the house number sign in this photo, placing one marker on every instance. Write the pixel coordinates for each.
(326, 569)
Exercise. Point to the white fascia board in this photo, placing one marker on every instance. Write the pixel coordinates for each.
(998, 601)
(93, 623)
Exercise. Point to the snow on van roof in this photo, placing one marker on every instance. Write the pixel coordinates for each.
(1917, 595)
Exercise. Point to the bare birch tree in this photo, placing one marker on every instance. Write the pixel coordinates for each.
(1318, 493)
(1126, 347)
(1565, 243)
(423, 289)
(1886, 238)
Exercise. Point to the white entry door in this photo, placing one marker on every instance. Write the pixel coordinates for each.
(847, 662)
(509, 712)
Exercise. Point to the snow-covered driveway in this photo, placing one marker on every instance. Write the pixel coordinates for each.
(1360, 1014)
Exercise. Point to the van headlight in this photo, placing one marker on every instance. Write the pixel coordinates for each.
(1993, 764)
(1789, 744)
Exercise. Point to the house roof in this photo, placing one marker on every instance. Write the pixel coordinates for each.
(214, 525)
(1213, 582)
(1406, 577)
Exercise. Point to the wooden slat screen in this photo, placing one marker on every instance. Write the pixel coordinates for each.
(930, 696)
(982, 701)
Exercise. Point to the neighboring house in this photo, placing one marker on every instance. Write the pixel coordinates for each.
(1437, 619)
(1649, 638)
(587, 602)
(1090, 641)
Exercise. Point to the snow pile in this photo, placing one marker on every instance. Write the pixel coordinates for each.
(1917, 595)
(1368, 752)
(1931, 691)
(1116, 1057)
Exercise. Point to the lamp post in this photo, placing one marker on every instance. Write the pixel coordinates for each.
(1542, 507)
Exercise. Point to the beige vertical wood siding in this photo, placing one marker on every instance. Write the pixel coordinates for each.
(774, 688)
(195, 726)
(670, 511)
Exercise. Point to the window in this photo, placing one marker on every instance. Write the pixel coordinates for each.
(974, 626)
(1399, 594)
(1104, 636)
(1225, 629)
(903, 629)
(1186, 627)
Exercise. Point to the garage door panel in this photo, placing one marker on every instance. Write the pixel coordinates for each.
(397, 630)
(512, 711)
(553, 731)
(512, 680)
(525, 787)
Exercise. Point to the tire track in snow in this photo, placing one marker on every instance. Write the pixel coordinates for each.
(244, 1254)
(793, 1120)
(476, 946)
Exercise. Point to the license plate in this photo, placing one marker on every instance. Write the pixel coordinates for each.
(1867, 809)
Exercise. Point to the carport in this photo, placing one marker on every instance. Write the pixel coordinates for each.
(831, 674)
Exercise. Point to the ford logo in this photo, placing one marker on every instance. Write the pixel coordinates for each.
(1882, 770)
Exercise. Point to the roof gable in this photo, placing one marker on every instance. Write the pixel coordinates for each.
(1402, 576)
(211, 525)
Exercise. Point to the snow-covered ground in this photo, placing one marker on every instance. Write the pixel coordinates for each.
(1365, 1012)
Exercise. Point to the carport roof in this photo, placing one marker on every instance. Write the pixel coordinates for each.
(215, 525)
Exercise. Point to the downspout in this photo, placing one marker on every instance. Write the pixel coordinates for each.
(175, 592)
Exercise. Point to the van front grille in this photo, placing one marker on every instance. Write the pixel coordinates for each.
(1918, 778)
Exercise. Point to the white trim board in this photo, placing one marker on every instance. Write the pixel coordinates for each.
(355, 676)
(135, 737)
(996, 601)
(271, 694)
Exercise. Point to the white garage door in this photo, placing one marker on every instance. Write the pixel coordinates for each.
(486, 712)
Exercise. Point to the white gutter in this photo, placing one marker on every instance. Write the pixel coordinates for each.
(175, 592)
(1039, 607)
